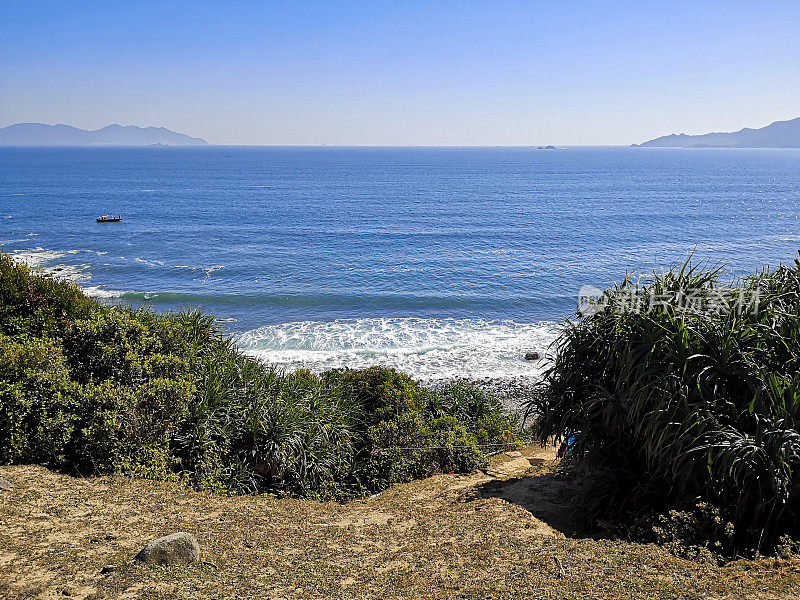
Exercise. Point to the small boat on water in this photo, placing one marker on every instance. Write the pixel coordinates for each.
(109, 219)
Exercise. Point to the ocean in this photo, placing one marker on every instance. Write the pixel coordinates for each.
(441, 262)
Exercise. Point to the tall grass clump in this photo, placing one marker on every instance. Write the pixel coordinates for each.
(93, 389)
(685, 392)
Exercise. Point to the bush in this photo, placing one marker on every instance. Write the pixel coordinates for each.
(37, 401)
(686, 402)
(90, 389)
(37, 304)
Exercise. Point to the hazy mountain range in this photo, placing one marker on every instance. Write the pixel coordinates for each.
(39, 134)
(781, 134)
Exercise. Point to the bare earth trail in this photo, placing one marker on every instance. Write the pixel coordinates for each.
(495, 534)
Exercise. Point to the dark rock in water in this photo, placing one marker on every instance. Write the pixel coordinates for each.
(178, 548)
(532, 356)
(5, 485)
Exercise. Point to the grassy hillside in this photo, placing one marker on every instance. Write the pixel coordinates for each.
(90, 389)
(469, 537)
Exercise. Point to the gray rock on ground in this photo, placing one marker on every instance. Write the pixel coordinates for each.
(177, 549)
(5, 485)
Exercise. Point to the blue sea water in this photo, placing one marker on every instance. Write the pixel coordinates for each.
(438, 261)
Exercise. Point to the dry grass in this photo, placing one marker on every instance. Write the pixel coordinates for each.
(477, 536)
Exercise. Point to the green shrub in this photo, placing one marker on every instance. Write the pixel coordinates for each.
(381, 393)
(38, 305)
(90, 389)
(482, 413)
(37, 400)
(682, 401)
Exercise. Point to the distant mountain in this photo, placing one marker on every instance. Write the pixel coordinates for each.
(39, 134)
(781, 134)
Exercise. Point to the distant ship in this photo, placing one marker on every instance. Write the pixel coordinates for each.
(109, 219)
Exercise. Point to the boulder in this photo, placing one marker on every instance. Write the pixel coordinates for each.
(532, 356)
(176, 549)
(5, 485)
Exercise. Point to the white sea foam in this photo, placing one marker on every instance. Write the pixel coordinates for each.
(428, 349)
(101, 292)
(210, 270)
(74, 273)
(46, 261)
(36, 257)
(149, 263)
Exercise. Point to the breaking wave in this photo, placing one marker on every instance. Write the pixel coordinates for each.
(428, 349)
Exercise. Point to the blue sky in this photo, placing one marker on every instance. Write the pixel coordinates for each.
(403, 73)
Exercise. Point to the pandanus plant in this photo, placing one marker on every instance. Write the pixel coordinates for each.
(684, 402)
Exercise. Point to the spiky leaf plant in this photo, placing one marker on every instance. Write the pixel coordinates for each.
(683, 389)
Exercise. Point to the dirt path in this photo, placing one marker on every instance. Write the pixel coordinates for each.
(494, 534)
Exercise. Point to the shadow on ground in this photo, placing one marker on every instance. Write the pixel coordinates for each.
(551, 497)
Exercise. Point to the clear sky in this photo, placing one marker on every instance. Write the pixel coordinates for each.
(402, 73)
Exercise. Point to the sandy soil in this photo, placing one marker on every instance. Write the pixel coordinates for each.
(496, 534)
